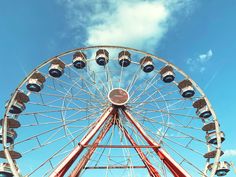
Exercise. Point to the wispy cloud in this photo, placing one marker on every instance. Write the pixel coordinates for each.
(199, 63)
(134, 23)
(230, 153)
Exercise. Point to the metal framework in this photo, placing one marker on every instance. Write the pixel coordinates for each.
(150, 107)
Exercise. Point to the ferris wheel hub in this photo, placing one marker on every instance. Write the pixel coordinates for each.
(118, 96)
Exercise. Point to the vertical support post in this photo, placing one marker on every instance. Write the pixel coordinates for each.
(171, 164)
(152, 171)
(69, 160)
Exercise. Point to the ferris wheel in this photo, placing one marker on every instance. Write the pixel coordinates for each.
(110, 111)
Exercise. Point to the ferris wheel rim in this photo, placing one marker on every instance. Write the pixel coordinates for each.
(217, 128)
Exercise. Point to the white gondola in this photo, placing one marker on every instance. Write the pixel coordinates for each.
(167, 74)
(102, 57)
(5, 170)
(35, 83)
(186, 89)
(124, 58)
(79, 60)
(13, 154)
(18, 104)
(203, 110)
(222, 169)
(147, 64)
(11, 136)
(11, 122)
(212, 137)
(57, 68)
(209, 127)
(212, 154)
(17, 107)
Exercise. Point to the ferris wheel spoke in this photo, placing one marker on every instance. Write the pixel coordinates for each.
(148, 83)
(150, 95)
(47, 143)
(155, 100)
(58, 120)
(86, 81)
(121, 75)
(55, 128)
(60, 110)
(79, 88)
(145, 90)
(92, 76)
(155, 118)
(158, 98)
(167, 113)
(185, 159)
(57, 153)
(172, 127)
(108, 74)
(171, 137)
(134, 79)
(51, 106)
(76, 98)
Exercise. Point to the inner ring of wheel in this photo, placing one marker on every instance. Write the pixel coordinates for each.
(118, 96)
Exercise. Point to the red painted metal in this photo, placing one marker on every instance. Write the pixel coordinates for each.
(114, 167)
(69, 160)
(152, 171)
(123, 146)
(76, 172)
(171, 164)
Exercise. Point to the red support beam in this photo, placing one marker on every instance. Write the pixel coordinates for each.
(70, 159)
(171, 164)
(76, 172)
(152, 171)
(114, 167)
(123, 146)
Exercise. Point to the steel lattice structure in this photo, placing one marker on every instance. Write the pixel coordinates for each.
(112, 111)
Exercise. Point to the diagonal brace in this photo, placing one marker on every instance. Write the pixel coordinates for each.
(171, 164)
(65, 164)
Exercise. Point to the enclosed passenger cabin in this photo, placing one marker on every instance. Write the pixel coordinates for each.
(11, 136)
(11, 123)
(124, 58)
(186, 89)
(5, 170)
(203, 110)
(211, 137)
(147, 64)
(79, 60)
(167, 74)
(222, 169)
(212, 154)
(35, 83)
(57, 68)
(102, 57)
(209, 127)
(18, 104)
(13, 154)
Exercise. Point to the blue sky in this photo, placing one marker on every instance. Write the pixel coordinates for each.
(197, 36)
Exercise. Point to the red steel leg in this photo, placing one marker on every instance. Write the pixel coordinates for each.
(173, 166)
(76, 172)
(152, 171)
(69, 160)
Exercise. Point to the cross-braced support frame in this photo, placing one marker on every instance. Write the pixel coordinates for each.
(113, 114)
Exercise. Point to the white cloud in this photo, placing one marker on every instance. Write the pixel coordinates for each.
(230, 153)
(134, 23)
(205, 57)
(131, 24)
(199, 63)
